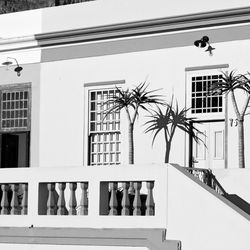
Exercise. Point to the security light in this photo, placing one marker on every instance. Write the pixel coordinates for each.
(17, 69)
(204, 42)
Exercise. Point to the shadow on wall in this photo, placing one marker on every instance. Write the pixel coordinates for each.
(239, 202)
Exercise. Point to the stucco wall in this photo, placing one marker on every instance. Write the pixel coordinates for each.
(202, 220)
(85, 15)
(60, 107)
(235, 181)
(63, 98)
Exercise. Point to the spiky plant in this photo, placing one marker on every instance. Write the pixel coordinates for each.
(227, 85)
(132, 101)
(168, 121)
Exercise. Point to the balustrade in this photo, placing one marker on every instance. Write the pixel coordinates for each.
(72, 198)
(206, 176)
(57, 196)
(121, 202)
(14, 198)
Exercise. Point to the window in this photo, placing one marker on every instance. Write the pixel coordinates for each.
(104, 129)
(14, 126)
(201, 102)
(14, 110)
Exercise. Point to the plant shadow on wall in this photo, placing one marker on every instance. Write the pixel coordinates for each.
(132, 101)
(229, 84)
(168, 120)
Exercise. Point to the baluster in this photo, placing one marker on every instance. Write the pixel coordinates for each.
(14, 201)
(113, 199)
(210, 178)
(125, 199)
(131, 189)
(84, 199)
(202, 176)
(51, 199)
(137, 199)
(5, 202)
(72, 200)
(213, 184)
(61, 200)
(150, 199)
(206, 177)
(24, 205)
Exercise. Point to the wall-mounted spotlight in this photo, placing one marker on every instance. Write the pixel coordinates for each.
(8, 62)
(204, 42)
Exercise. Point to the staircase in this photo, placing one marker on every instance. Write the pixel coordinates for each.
(202, 214)
(207, 177)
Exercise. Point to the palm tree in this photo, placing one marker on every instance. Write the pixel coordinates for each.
(228, 84)
(168, 121)
(132, 101)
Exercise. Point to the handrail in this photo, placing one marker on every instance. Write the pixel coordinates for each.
(206, 176)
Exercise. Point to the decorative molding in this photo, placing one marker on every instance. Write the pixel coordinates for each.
(15, 86)
(155, 26)
(207, 67)
(154, 239)
(98, 84)
(131, 29)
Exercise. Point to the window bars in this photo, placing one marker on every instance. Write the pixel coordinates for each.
(15, 109)
(201, 101)
(104, 129)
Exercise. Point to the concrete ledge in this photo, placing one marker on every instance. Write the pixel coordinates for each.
(154, 239)
(210, 190)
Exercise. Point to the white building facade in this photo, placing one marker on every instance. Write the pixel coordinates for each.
(73, 57)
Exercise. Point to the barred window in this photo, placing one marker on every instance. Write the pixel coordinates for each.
(202, 102)
(104, 129)
(15, 109)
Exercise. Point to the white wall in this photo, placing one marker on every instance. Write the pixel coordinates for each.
(235, 181)
(29, 74)
(85, 15)
(62, 99)
(61, 136)
(201, 220)
(94, 175)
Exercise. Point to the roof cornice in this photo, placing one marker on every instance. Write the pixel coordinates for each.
(131, 29)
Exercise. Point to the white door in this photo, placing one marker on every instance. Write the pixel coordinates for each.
(210, 153)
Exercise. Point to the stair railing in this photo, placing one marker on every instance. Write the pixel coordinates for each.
(207, 177)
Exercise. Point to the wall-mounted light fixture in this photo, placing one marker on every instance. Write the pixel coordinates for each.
(9, 62)
(204, 42)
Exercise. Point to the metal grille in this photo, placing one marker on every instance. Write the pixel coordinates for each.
(201, 101)
(104, 129)
(14, 109)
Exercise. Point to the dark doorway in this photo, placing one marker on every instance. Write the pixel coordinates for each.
(14, 150)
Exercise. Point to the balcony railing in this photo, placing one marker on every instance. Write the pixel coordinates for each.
(14, 198)
(206, 176)
(134, 196)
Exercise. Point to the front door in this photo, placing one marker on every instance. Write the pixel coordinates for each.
(209, 152)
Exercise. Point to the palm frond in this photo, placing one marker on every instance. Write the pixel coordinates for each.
(169, 120)
(229, 81)
(134, 99)
(142, 97)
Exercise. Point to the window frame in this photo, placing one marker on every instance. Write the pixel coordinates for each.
(112, 134)
(13, 88)
(92, 86)
(203, 71)
(199, 90)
